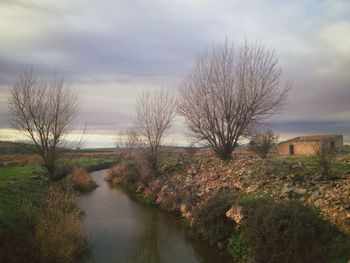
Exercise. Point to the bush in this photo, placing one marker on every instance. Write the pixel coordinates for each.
(79, 179)
(58, 234)
(210, 218)
(115, 173)
(285, 232)
(129, 172)
(236, 248)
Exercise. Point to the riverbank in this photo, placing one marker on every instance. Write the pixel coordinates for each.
(39, 221)
(215, 197)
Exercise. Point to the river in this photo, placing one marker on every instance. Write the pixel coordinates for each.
(122, 229)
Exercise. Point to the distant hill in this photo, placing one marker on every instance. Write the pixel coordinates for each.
(15, 147)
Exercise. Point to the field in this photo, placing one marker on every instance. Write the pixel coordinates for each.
(23, 181)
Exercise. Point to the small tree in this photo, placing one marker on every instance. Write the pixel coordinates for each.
(154, 116)
(45, 111)
(325, 157)
(230, 91)
(263, 142)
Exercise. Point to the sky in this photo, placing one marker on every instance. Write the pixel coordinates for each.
(112, 50)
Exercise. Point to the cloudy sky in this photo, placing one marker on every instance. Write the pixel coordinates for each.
(112, 50)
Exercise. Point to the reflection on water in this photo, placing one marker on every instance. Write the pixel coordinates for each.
(121, 229)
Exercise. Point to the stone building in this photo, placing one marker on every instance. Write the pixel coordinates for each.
(307, 145)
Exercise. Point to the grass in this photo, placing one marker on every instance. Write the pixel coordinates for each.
(25, 185)
(15, 180)
(309, 165)
(286, 231)
(18, 173)
(80, 180)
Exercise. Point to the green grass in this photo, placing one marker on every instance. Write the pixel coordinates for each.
(18, 173)
(309, 165)
(16, 186)
(89, 161)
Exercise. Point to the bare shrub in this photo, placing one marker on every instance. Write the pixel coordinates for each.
(115, 172)
(59, 234)
(154, 116)
(190, 151)
(79, 179)
(325, 157)
(45, 111)
(263, 142)
(128, 171)
(230, 91)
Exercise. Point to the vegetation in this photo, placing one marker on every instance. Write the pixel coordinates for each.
(325, 157)
(59, 235)
(310, 165)
(154, 116)
(79, 179)
(286, 232)
(231, 90)
(263, 142)
(38, 222)
(44, 111)
(15, 148)
(210, 218)
(236, 248)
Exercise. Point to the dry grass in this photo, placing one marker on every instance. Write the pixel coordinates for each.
(59, 234)
(130, 172)
(25, 158)
(80, 180)
(14, 159)
(116, 173)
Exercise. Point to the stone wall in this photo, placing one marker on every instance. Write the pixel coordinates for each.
(300, 148)
(307, 148)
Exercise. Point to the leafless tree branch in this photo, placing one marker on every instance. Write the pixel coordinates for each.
(230, 91)
(154, 116)
(45, 111)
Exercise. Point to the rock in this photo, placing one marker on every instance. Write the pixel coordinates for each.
(296, 178)
(316, 195)
(235, 214)
(300, 191)
(193, 171)
(139, 189)
(184, 208)
(287, 192)
(220, 245)
(252, 188)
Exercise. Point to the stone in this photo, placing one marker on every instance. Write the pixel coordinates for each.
(220, 245)
(235, 213)
(315, 195)
(296, 178)
(287, 192)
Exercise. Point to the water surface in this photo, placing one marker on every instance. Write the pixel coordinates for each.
(122, 229)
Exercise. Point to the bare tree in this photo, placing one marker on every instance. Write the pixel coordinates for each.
(263, 142)
(231, 90)
(154, 116)
(127, 139)
(45, 111)
(325, 157)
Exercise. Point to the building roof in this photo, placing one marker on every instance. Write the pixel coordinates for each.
(313, 138)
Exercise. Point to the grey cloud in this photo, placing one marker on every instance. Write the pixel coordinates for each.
(111, 50)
